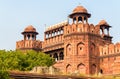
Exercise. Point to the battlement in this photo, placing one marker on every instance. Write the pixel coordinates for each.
(109, 49)
(29, 44)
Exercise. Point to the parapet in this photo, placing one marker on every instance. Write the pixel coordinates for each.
(58, 25)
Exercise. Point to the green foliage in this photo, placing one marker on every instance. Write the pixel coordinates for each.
(4, 74)
(23, 61)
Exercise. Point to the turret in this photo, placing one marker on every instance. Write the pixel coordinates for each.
(105, 27)
(30, 33)
(80, 14)
(29, 42)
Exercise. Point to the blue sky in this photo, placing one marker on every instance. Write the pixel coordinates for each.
(15, 15)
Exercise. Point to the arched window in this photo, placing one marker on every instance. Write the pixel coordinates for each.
(61, 56)
(94, 70)
(81, 68)
(46, 35)
(105, 31)
(80, 19)
(56, 33)
(68, 69)
(55, 56)
(92, 48)
(69, 49)
(74, 20)
(62, 31)
(28, 36)
(33, 37)
(81, 49)
(53, 34)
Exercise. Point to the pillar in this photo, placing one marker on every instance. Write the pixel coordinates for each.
(103, 31)
(30, 37)
(77, 20)
(82, 19)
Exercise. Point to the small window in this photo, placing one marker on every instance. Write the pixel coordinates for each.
(80, 48)
(69, 49)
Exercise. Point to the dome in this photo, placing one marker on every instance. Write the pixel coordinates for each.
(30, 28)
(103, 22)
(80, 9)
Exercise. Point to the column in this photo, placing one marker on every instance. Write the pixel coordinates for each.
(77, 20)
(82, 19)
(35, 36)
(27, 37)
(30, 36)
(103, 31)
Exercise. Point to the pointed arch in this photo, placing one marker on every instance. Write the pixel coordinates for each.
(68, 49)
(94, 69)
(68, 69)
(61, 55)
(81, 43)
(92, 48)
(55, 56)
(80, 48)
(81, 68)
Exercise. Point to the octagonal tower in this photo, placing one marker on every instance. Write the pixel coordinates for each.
(81, 43)
(29, 41)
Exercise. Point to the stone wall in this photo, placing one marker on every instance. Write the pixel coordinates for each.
(110, 58)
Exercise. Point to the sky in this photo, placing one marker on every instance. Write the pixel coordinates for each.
(15, 15)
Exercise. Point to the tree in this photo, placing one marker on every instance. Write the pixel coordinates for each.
(23, 61)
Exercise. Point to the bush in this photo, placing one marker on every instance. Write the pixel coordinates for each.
(4, 74)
